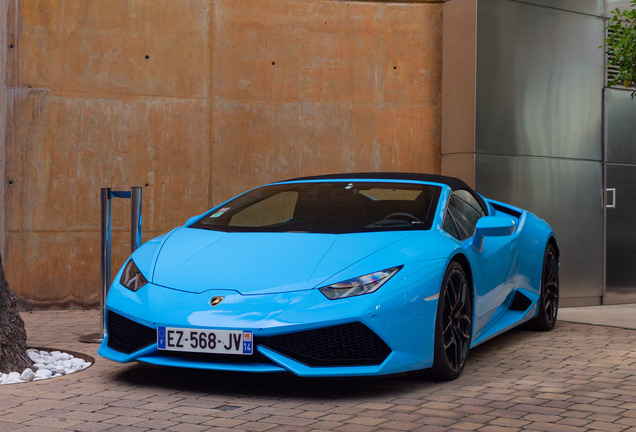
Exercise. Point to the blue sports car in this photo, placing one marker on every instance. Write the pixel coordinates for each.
(336, 275)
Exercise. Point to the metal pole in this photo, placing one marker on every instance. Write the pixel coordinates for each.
(106, 256)
(135, 240)
(135, 222)
(105, 266)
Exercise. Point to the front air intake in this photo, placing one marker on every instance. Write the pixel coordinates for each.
(128, 336)
(351, 344)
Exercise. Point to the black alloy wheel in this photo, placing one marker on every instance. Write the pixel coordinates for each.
(454, 324)
(549, 301)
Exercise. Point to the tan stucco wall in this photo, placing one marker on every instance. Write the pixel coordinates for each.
(195, 101)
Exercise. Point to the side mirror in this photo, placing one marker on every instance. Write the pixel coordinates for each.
(492, 226)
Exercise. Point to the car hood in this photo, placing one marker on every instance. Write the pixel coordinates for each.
(196, 260)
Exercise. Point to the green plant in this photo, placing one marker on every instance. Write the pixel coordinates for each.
(620, 46)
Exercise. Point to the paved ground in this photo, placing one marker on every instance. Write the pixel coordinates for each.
(576, 378)
(623, 316)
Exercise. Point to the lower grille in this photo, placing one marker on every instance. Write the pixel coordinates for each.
(351, 344)
(343, 345)
(128, 336)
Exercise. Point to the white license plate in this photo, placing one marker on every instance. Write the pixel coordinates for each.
(204, 340)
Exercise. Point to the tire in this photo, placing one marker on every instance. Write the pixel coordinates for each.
(549, 301)
(453, 325)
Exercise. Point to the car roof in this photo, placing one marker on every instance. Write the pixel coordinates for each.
(453, 182)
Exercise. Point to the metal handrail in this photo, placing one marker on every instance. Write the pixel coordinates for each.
(106, 194)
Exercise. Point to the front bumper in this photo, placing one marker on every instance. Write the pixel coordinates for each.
(300, 332)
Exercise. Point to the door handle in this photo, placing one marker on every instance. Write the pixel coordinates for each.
(612, 191)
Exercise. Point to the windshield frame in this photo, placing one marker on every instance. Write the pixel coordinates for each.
(429, 190)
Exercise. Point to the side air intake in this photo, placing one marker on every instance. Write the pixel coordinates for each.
(520, 302)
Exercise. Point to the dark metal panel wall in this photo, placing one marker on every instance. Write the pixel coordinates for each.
(620, 126)
(620, 234)
(620, 176)
(592, 7)
(538, 138)
(540, 74)
(567, 194)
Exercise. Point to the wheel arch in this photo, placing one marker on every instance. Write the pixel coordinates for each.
(447, 368)
(552, 241)
(463, 261)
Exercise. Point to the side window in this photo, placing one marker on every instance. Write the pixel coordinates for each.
(449, 224)
(462, 215)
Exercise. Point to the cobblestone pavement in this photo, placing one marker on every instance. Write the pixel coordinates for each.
(576, 378)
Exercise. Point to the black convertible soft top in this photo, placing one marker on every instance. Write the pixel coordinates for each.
(453, 182)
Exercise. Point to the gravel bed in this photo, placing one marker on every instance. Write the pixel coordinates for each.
(46, 364)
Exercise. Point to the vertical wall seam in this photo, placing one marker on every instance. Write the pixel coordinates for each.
(4, 16)
(60, 61)
(210, 102)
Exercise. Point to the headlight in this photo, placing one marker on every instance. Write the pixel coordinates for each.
(366, 284)
(131, 277)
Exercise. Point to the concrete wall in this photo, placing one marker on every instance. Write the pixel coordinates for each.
(194, 101)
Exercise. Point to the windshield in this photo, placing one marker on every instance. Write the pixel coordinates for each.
(327, 207)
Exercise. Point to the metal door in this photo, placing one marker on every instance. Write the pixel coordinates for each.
(620, 197)
(620, 234)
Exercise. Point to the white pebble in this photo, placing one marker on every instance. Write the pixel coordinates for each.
(27, 375)
(55, 369)
(12, 378)
(78, 362)
(34, 356)
(43, 373)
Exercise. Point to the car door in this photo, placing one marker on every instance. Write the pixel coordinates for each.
(494, 268)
